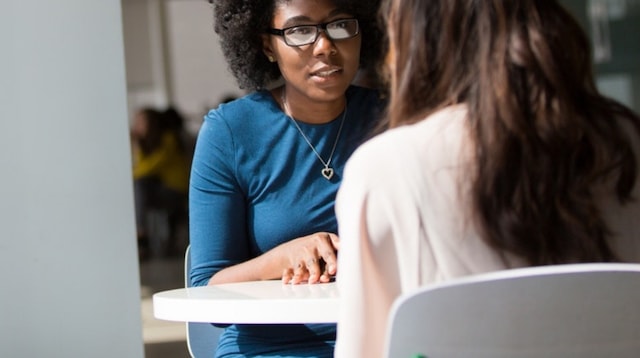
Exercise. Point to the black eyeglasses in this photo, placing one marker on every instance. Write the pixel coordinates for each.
(307, 34)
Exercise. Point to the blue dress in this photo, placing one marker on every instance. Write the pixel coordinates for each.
(256, 183)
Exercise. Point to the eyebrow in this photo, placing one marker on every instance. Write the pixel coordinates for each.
(302, 19)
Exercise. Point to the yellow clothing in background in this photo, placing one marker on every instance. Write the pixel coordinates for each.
(167, 163)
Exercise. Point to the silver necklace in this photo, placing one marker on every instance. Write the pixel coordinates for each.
(327, 171)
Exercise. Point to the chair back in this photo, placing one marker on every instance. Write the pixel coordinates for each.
(202, 338)
(577, 310)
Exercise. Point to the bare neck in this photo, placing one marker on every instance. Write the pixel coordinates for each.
(308, 110)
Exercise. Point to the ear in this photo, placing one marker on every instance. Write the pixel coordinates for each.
(267, 48)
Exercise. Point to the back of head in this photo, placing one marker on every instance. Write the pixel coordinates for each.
(543, 137)
(453, 51)
(172, 119)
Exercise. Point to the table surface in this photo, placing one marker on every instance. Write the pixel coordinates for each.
(255, 302)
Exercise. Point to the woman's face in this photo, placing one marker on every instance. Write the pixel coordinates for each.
(140, 125)
(320, 71)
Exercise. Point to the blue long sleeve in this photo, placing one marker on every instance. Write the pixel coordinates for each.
(256, 183)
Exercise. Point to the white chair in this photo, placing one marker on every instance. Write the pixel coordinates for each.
(578, 310)
(202, 338)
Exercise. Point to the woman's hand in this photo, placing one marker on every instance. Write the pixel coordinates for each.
(311, 258)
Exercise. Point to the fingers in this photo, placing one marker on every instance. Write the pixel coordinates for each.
(313, 259)
(328, 254)
(295, 275)
(313, 267)
(300, 274)
(323, 264)
(287, 275)
(335, 241)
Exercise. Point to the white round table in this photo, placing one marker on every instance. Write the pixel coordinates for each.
(256, 302)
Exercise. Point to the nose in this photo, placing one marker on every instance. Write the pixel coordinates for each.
(324, 45)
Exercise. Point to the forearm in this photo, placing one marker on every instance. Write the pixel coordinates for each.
(264, 267)
(295, 261)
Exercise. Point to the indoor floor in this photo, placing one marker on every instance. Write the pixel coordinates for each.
(162, 339)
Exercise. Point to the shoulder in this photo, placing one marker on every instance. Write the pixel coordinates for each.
(435, 130)
(365, 108)
(243, 114)
(434, 142)
(243, 107)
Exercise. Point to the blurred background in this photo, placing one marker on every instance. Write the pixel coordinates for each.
(172, 54)
(614, 29)
(173, 59)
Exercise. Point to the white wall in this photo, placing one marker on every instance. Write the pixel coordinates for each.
(68, 263)
(173, 57)
(144, 44)
(197, 69)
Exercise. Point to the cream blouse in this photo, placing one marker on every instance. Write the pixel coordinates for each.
(401, 218)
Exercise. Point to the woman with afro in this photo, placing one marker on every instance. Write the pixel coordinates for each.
(267, 166)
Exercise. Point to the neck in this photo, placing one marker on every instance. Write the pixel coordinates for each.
(311, 111)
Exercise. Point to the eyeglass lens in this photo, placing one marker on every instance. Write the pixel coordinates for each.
(336, 30)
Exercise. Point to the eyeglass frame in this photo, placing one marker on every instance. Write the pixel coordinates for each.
(319, 28)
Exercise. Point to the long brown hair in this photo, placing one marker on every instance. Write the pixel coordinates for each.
(544, 139)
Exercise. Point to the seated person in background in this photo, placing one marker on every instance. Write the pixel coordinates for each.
(174, 121)
(501, 154)
(160, 172)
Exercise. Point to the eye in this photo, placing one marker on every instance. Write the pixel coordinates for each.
(301, 30)
(339, 24)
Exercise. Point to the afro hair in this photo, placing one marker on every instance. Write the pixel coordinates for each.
(240, 24)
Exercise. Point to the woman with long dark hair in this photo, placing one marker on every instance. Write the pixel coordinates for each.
(501, 153)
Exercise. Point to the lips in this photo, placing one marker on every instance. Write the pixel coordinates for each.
(326, 72)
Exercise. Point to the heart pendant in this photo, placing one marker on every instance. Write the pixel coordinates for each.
(327, 173)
